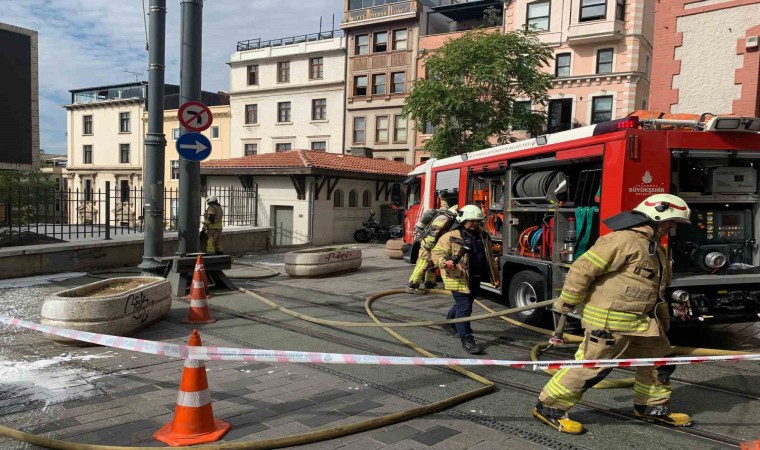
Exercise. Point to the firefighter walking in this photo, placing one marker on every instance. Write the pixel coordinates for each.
(621, 282)
(212, 225)
(431, 226)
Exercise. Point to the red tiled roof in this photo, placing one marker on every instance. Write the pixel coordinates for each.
(312, 159)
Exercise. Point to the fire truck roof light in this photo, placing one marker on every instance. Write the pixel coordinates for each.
(616, 125)
(734, 123)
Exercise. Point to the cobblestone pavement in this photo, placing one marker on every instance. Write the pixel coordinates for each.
(114, 397)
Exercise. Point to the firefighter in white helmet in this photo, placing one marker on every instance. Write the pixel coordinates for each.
(465, 258)
(620, 282)
(212, 225)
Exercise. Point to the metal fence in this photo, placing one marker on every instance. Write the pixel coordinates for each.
(31, 215)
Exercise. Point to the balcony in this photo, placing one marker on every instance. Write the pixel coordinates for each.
(378, 14)
(255, 44)
(596, 31)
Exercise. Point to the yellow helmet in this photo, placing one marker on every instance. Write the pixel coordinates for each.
(470, 212)
(662, 207)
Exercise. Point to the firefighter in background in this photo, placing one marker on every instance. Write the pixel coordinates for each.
(621, 282)
(432, 225)
(212, 225)
(465, 258)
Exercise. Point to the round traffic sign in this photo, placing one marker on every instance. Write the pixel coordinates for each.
(195, 116)
(193, 146)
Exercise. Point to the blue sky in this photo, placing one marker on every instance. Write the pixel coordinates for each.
(85, 43)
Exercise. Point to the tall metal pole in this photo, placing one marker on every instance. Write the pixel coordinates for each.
(189, 90)
(155, 143)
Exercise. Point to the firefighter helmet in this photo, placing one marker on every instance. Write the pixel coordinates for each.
(212, 199)
(469, 212)
(662, 207)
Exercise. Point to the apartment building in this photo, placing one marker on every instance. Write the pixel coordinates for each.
(706, 57)
(382, 37)
(19, 98)
(602, 56)
(288, 94)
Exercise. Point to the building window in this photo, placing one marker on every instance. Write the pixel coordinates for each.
(283, 147)
(338, 198)
(366, 199)
(647, 66)
(380, 43)
(353, 198)
(593, 9)
(86, 124)
(520, 112)
(88, 190)
(361, 44)
(175, 169)
(429, 128)
(251, 114)
(124, 153)
(399, 129)
(360, 86)
(283, 72)
(604, 60)
(400, 39)
(398, 82)
(319, 109)
(601, 109)
(562, 65)
(381, 129)
(620, 10)
(175, 133)
(214, 132)
(124, 190)
(87, 156)
(250, 149)
(400, 159)
(378, 84)
(316, 68)
(283, 112)
(319, 146)
(538, 16)
(253, 75)
(124, 122)
(360, 125)
(644, 103)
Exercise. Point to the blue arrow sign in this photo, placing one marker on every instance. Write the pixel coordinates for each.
(194, 146)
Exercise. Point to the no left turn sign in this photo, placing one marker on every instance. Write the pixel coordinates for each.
(195, 116)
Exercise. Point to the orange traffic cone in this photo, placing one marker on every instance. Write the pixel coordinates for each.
(193, 421)
(751, 445)
(199, 312)
(203, 275)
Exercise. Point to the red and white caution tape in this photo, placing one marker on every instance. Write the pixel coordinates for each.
(281, 356)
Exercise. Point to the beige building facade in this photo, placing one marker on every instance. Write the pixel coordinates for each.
(288, 94)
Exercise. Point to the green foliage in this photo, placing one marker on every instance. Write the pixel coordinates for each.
(25, 196)
(472, 86)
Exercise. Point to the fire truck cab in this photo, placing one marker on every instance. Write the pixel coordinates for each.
(545, 199)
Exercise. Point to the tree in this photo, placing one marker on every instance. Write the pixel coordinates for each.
(473, 87)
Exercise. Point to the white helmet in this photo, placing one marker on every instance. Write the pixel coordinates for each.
(212, 199)
(662, 207)
(470, 212)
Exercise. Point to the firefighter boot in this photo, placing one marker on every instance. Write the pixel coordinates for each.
(557, 419)
(662, 414)
(470, 346)
(414, 288)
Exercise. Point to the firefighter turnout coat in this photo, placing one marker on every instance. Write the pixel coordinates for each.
(456, 279)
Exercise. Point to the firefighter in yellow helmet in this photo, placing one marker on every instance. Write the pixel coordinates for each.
(620, 282)
(431, 226)
(212, 225)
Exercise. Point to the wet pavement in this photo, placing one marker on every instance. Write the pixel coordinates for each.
(115, 397)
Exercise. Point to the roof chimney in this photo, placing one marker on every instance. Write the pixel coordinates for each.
(365, 152)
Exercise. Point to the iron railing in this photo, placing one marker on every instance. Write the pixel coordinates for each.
(253, 44)
(35, 216)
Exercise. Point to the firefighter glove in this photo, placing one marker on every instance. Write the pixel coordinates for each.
(562, 307)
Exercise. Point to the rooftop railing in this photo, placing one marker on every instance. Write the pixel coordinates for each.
(254, 44)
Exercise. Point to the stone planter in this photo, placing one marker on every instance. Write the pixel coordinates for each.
(393, 248)
(117, 306)
(322, 261)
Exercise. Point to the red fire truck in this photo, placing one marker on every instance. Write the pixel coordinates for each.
(545, 199)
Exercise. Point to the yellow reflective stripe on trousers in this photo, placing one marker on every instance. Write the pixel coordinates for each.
(573, 299)
(596, 260)
(615, 320)
(661, 391)
(559, 393)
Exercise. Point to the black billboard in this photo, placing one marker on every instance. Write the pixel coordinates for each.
(15, 98)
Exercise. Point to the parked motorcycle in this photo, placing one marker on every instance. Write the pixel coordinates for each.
(373, 231)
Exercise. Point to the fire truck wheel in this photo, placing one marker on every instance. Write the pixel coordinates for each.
(526, 288)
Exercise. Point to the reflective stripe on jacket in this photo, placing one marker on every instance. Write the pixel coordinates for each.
(456, 279)
(621, 283)
(218, 213)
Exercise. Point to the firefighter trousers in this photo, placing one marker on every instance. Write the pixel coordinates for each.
(424, 270)
(214, 243)
(652, 384)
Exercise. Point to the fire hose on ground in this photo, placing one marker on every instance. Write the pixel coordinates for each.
(335, 432)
